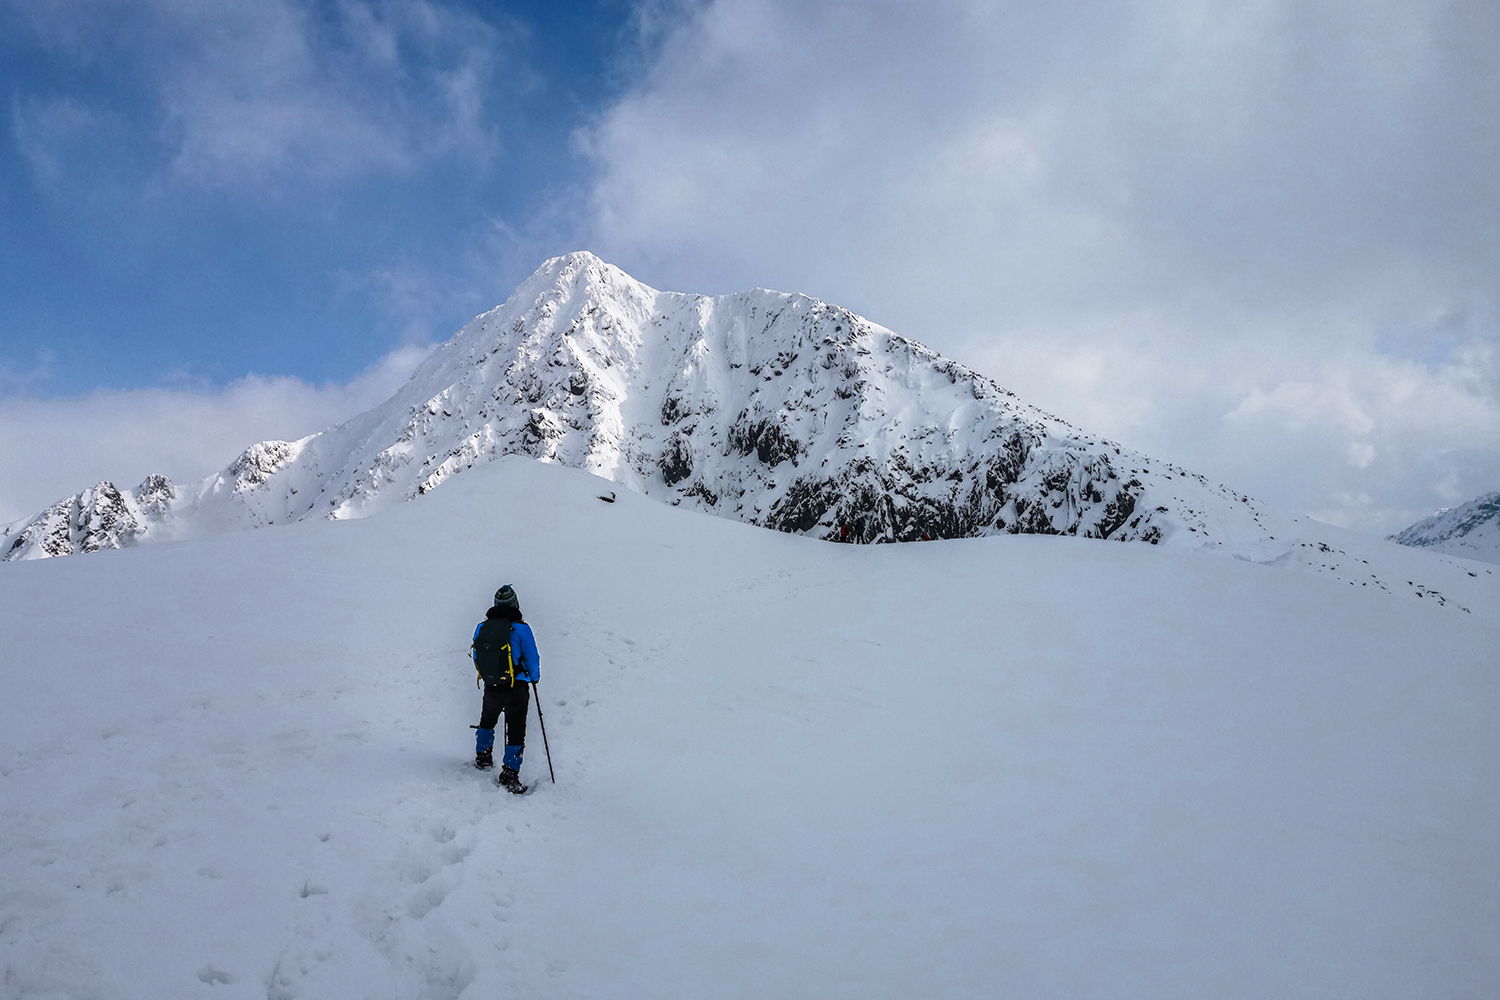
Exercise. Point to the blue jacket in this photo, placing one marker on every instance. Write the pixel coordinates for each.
(523, 651)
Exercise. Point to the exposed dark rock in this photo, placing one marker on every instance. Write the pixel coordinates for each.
(1118, 510)
(676, 459)
(766, 437)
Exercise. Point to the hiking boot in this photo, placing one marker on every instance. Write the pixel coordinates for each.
(510, 780)
(484, 759)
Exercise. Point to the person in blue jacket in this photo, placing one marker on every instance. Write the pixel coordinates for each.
(506, 690)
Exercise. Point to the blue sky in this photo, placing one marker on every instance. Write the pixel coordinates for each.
(142, 242)
(1261, 239)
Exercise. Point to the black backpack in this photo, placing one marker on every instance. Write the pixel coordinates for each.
(492, 652)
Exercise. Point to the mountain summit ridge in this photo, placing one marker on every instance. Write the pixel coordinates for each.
(773, 408)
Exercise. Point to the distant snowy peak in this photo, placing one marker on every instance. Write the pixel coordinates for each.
(771, 408)
(1471, 530)
(101, 517)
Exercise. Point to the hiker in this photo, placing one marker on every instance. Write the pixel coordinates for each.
(505, 657)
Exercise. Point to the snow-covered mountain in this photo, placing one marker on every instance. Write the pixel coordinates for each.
(770, 408)
(1471, 530)
(774, 409)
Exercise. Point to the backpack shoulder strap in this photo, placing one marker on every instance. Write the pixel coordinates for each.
(510, 653)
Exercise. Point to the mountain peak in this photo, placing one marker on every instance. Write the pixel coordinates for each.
(1471, 529)
(772, 408)
(581, 273)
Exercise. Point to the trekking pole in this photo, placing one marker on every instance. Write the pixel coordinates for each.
(543, 723)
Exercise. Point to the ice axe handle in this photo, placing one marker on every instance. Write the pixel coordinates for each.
(543, 724)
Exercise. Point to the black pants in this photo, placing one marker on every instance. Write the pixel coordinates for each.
(513, 701)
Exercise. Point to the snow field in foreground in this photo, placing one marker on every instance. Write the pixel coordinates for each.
(1004, 767)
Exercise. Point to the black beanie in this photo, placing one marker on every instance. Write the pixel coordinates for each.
(505, 597)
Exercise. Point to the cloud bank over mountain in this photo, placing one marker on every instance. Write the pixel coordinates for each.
(49, 447)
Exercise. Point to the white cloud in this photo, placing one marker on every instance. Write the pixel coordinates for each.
(55, 447)
(1255, 238)
(45, 128)
(1301, 405)
(274, 91)
(270, 97)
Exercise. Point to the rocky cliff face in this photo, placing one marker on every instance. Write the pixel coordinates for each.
(775, 409)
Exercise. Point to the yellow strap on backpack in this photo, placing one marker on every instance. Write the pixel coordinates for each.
(509, 659)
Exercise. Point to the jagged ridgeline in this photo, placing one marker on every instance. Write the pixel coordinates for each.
(1471, 530)
(775, 409)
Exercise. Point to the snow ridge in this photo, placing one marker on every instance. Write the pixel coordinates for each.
(771, 408)
(1471, 530)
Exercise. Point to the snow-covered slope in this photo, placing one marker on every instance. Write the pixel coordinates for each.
(770, 408)
(1471, 530)
(998, 767)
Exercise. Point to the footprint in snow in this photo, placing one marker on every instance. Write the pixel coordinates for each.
(213, 976)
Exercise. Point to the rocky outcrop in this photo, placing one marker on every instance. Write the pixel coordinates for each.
(96, 519)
